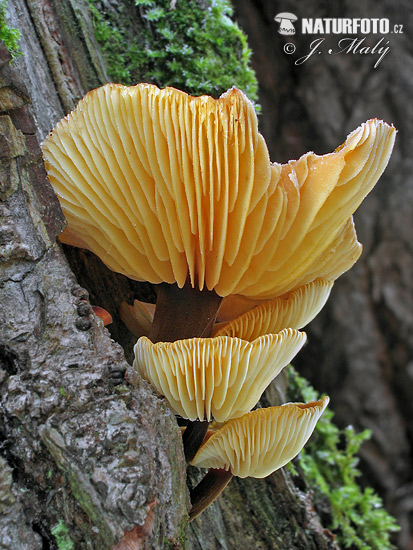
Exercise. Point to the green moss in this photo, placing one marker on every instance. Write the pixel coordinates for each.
(180, 542)
(8, 35)
(329, 463)
(197, 49)
(61, 533)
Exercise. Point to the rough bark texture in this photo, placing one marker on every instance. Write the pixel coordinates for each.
(261, 515)
(360, 347)
(80, 446)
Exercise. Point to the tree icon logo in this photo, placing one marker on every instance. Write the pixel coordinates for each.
(286, 21)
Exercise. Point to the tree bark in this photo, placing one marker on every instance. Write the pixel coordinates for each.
(80, 447)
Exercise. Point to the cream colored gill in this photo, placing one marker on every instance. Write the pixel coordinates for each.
(262, 441)
(205, 378)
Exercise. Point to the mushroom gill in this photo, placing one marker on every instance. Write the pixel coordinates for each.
(254, 445)
(295, 310)
(262, 441)
(221, 378)
(165, 187)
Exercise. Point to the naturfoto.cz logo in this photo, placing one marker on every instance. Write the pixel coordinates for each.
(336, 26)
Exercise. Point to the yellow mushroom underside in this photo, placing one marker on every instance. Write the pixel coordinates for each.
(262, 441)
(163, 186)
(340, 256)
(294, 311)
(219, 377)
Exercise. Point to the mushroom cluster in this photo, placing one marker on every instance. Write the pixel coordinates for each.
(180, 191)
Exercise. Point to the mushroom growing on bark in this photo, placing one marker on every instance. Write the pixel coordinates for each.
(255, 445)
(165, 187)
(215, 378)
(180, 191)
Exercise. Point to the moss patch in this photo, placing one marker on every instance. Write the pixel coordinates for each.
(190, 45)
(329, 464)
(8, 35)
(61, 533)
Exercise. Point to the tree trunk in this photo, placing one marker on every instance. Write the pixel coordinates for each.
(87, 457)
(360, 347)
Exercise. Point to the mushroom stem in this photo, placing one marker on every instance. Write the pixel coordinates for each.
(183, 313)
(208, 490)
(193, 437)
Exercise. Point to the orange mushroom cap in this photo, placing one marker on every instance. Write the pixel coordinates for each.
(163, 186)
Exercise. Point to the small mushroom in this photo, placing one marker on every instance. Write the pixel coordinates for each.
(286, 23)
(294, 310)
(138, 318)
(104, 315)
(255, 445)
(220, 378)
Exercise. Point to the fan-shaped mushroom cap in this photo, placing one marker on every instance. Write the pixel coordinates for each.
(163, 186)
(156, 182)
(261, 441)
(219, 377)
(318, 194)
(294, 311)
(340, 256)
